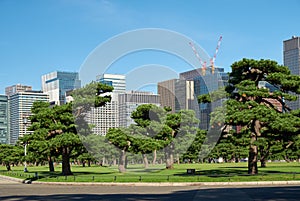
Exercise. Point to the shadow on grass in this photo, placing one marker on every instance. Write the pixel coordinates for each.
(229, 172)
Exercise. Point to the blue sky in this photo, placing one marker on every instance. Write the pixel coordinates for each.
(38, 37)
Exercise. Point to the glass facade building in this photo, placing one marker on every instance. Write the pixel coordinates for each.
(115, 80)
(57, 83)
(204, 84)
(291, 59)
(4, 120)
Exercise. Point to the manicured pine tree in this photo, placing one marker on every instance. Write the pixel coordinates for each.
(262, 113)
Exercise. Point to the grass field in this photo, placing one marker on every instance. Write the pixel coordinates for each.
(204, 173)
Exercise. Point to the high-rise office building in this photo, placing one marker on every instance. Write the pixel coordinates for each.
(57, 83)
(16, 88)
(291, 59)
(4, 120)
(177, 94)
(182, 93)
(106, 117)
(20, 109)
(115, 80)
(206, 85)
(129, 101)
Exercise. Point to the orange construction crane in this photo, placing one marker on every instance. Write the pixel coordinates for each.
(203, 63)
(212, 60)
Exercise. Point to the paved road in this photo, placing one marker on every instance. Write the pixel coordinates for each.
(13, 191)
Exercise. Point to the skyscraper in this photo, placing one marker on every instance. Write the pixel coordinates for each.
(20, 109)
(57, 83)
(129, 101)
(4, 129)
(291, 59)
(116, 80)
(182, 93)
(177, 94)
(106, 117)
(205, 84)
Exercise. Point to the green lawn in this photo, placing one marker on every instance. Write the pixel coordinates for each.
(204, 173)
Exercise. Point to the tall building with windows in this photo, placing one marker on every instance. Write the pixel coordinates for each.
(116, 80)
(16, 88)
(177, 94)
(106, 117)
(291, 59)
(129, 101)
(182, 93)
(20, 109)
(57, 83)
(4, 120)
(205, 85)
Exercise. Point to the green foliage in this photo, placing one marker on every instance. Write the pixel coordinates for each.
(11, 154)
(94, 94)
(54, 133)
(156, 129)
(265, 120)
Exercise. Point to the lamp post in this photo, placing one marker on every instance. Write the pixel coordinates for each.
(25, 145)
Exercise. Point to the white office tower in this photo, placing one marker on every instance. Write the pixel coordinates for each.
(20, 105)
(115, 80)
(57, 83)
(106, 117)
(129, 101)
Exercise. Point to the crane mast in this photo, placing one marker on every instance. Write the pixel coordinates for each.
(212, 60)
(203, 63)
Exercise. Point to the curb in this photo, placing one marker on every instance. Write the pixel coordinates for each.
(211, 184)
(208, 184)
(12, 179)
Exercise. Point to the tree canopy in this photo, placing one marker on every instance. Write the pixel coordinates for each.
(261, 112)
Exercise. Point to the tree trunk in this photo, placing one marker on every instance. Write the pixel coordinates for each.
(169, 157)
(66, 168)
(263, 163)
(122, 161)
(145, 160)
(51, 165)
(263, 156)
(253, 152)
(103, 160)
(89, 163)
(8, 167)
(154, 157)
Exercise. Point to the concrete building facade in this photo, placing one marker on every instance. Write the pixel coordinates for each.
(106, 117)
(16, 88)
(129, 101)
(20, 109)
